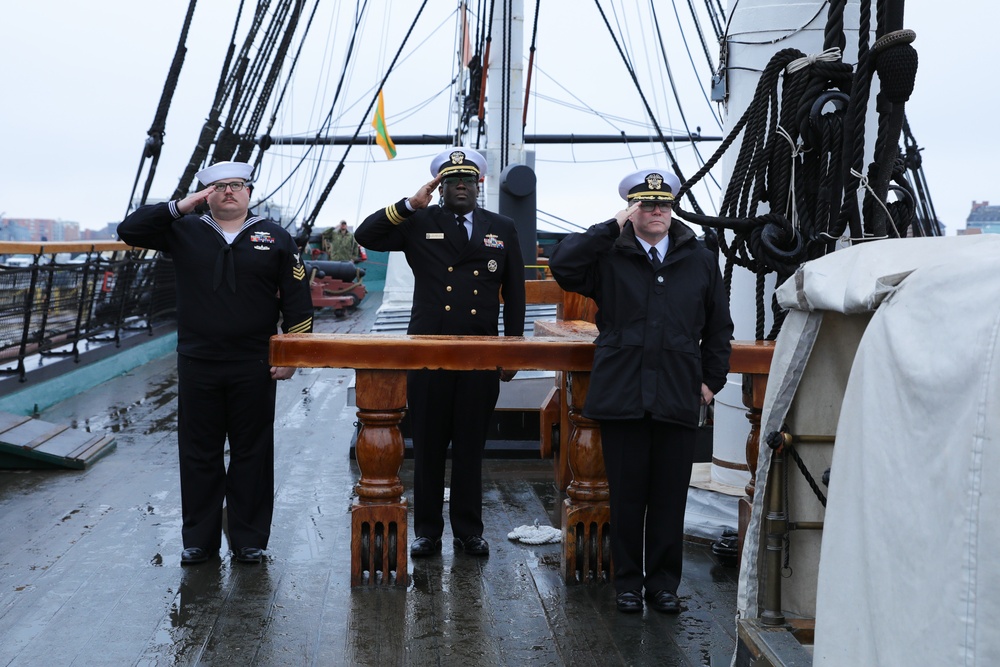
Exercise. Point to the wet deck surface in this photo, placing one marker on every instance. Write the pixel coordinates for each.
(90, 572)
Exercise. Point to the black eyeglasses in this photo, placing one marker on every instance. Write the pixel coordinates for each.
(650, 205)
(465, 180)
(235, 186)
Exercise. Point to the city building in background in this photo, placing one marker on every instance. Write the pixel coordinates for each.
(39, 230)
(983, 219)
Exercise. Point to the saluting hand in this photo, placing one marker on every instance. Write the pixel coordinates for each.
(624, 215)
(190, 202)
(424, 194)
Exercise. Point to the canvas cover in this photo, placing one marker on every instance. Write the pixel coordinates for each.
(906, 572)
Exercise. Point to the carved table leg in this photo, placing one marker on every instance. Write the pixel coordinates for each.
(586, 520)
(378, 516)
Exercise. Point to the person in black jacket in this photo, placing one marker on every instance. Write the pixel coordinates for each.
(662, 352)
(463, 258)
(236, 275)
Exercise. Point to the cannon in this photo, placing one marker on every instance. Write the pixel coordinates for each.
(335, 285)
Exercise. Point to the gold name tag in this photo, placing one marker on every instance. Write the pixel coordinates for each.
(434, 235)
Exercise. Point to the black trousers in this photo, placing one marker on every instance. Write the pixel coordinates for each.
(219, 400)
(649, 468)
(449, 407)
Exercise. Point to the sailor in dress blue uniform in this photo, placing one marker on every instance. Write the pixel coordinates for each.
(463, 259)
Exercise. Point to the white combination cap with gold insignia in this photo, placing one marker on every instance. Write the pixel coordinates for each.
(649, 185)
(221, 170)
(459, 161)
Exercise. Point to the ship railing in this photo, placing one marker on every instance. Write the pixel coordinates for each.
(57, 299)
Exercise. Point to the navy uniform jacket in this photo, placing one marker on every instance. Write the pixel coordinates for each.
(456, 284)
(662, 332)
(229, 296)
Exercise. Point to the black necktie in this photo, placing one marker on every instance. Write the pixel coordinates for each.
(460, 219)
(654, 257)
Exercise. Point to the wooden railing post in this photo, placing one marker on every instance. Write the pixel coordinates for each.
(378, 515)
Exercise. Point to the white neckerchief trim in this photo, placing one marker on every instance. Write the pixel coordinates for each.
(228, 236)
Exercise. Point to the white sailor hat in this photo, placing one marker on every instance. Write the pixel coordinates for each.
(459, 161)
(221, 170)
(649, 185)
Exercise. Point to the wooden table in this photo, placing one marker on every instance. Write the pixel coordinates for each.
(378, 516)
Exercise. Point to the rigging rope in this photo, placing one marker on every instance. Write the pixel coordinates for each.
(155, 134)
(485, 68)
(470, 97)
(247, 139)
(659, 133)
(324, 126)
(211, 125)
(701, 34)
(927, 223)
(505, 85)
(265, 139)
(307, 225)
(257, 84)
(673, 85)
(715, 11)
(531, 63)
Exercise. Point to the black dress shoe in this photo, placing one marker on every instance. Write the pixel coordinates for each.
(629, 602)
(249, 555)
(193, 556)
(473, 545)
(425, 546)
(664, 601)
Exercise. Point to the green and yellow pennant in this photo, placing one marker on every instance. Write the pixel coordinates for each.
(382, 137)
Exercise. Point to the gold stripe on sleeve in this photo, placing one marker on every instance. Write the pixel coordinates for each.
(393, 215)
(304, 326)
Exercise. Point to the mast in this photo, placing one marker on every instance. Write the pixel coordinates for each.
(505, 102)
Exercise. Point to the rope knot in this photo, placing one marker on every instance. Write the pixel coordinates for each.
(830, 55)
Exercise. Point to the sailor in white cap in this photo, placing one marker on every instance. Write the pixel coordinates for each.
(236, 275)
(223, 170)
(662, 352)
(463, 258)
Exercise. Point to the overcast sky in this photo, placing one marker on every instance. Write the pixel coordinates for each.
(81, 81)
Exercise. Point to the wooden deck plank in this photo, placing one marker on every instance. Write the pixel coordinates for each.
(29, 433)
(513, 595)
(9, 421)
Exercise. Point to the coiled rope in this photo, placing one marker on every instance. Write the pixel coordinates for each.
(535, 534)
(802, 156)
